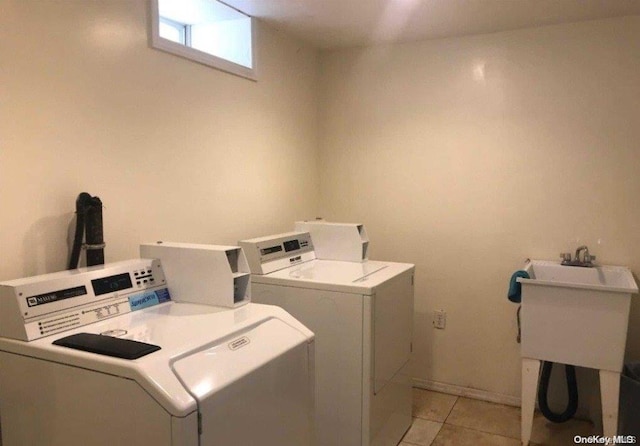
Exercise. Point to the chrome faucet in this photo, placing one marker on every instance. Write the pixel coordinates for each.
(587, 259)
(579, 250)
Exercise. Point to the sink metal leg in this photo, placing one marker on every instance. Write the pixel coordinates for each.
(530, 374)
(609, 394)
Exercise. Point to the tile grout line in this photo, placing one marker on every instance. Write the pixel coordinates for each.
(479, 429)
(465, 427)
(491, 433)
(471, 428)
(437, 433)
(483, 431)
(444, 421)
(450, 410)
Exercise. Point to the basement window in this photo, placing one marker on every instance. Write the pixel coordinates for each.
(174, 31)
(205, 31)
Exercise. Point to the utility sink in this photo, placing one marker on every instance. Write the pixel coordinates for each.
(578, 316)
(611, 278)
(575, 315)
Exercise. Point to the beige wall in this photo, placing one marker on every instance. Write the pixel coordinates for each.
(469, 155)
(176, 150)
(465, 156)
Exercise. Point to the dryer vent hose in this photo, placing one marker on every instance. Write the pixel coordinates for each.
(88, 227)
(572, 390)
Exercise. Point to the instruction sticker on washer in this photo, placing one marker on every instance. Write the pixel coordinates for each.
(148, 299)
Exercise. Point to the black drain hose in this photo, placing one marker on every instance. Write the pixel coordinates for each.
(88, 226)
(572, 390)
(94, 233)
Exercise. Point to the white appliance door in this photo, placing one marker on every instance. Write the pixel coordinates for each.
(253, 387)
(336, 319)
(392, 327)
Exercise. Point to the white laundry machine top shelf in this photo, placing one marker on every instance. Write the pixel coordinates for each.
(333, 275)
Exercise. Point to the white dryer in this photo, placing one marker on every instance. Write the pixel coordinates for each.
(361, 314)
(103, 356)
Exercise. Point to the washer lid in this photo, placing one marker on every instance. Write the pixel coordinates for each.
(335, 271)
(225, 361)
(185, 332)
(333, 275)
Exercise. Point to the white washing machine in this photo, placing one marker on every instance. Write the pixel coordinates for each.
(361, 314)
(104, 356)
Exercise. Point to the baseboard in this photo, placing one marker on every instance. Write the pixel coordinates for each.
(477, 394)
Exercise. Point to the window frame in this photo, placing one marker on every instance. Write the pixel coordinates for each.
(201, 57)
(180, 27)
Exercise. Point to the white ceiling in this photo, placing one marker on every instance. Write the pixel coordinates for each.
(346, 23)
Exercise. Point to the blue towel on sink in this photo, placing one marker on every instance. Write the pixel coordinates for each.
(515, 287)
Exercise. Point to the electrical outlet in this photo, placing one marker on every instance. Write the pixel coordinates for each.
(439, 319)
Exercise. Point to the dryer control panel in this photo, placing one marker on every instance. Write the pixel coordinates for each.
(275, 252)
(337, 241)
(39, 306)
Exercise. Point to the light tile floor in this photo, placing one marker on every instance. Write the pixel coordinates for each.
(447, 420)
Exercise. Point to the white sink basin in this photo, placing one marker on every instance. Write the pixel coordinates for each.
(610, 278)
(574, 315)
(578, 316)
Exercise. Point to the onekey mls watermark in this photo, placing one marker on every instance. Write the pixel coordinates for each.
(601, 439)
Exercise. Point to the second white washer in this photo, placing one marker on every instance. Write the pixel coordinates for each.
(361, 314)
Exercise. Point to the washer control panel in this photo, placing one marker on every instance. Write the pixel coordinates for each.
(143, 277)
(39, 306)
